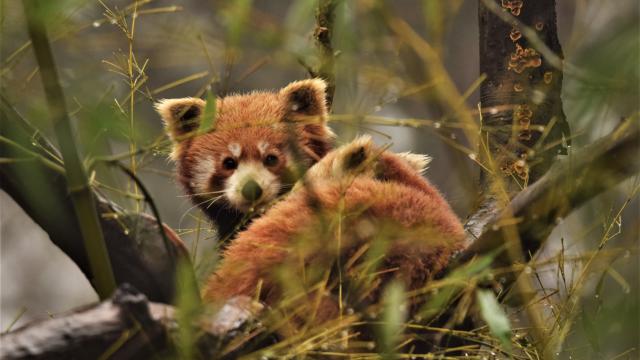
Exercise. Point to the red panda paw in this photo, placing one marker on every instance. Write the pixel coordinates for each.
(352, 159)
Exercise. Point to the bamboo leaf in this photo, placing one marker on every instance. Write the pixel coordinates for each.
(208, 122)
(237, 16)
(188, 310)
(457, 281)
(495, 317)
(394, 315)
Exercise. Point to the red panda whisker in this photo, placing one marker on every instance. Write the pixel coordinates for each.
(204, 193)
(247, 119)
(214, 200)
(189, 210)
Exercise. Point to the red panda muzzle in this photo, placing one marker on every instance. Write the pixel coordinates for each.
(251, 191)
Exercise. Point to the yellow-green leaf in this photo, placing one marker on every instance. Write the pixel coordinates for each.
(208, 122)
(495, 317)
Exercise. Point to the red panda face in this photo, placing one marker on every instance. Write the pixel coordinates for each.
(258, 142)
(245, 168)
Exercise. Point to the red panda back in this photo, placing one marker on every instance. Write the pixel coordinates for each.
(299, 241)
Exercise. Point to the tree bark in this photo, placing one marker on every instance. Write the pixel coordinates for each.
(127, 326)
(521, 105)
(569, 183)
(137, 250)
(523, 125)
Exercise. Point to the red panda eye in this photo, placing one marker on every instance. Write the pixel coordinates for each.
(270, 160)
(229, 163)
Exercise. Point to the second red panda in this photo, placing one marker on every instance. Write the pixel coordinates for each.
(362, 215)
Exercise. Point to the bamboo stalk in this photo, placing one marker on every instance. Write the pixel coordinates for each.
(78, 183)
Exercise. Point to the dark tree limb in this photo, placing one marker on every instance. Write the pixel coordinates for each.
(127, 326)
(138, 253)
(523, 125)
(569, 183)
(523, 118)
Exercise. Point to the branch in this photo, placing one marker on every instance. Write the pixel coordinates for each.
(126, 326)
(569, 184)
(137, 250)
(526, 222)
(323, 34)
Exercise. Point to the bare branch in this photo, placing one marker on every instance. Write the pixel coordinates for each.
(126, 326)
(570, 183)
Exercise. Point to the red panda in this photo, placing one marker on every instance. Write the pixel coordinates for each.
(362, 212)
(259, 143)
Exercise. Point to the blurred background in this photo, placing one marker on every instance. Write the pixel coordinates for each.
(182, 48)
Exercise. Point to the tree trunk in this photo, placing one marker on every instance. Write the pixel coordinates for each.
(522, 115)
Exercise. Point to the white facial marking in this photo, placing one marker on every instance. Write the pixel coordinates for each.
(202, 172)
(262, 147)
(235, 149)
(255, 171)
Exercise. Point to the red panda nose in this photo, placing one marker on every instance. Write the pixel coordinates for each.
(251, 191)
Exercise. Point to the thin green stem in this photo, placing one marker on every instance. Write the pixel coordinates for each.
(46, 162)
(78, 184)
(132, 86)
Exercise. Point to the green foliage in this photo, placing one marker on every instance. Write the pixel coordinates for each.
(394, 315)
(209, 116)
(188, 311)
(611, 61)
(453, 284)
(493, 314)
(237, 17)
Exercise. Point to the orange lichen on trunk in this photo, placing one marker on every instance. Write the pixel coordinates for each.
(523, 58)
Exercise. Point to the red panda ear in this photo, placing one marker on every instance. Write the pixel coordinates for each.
(306, 97)
(180, 116)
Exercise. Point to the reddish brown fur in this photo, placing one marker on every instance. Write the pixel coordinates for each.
(389, 197)
(245, 119)
(260, 115)
(428, 232)
(292, 121)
